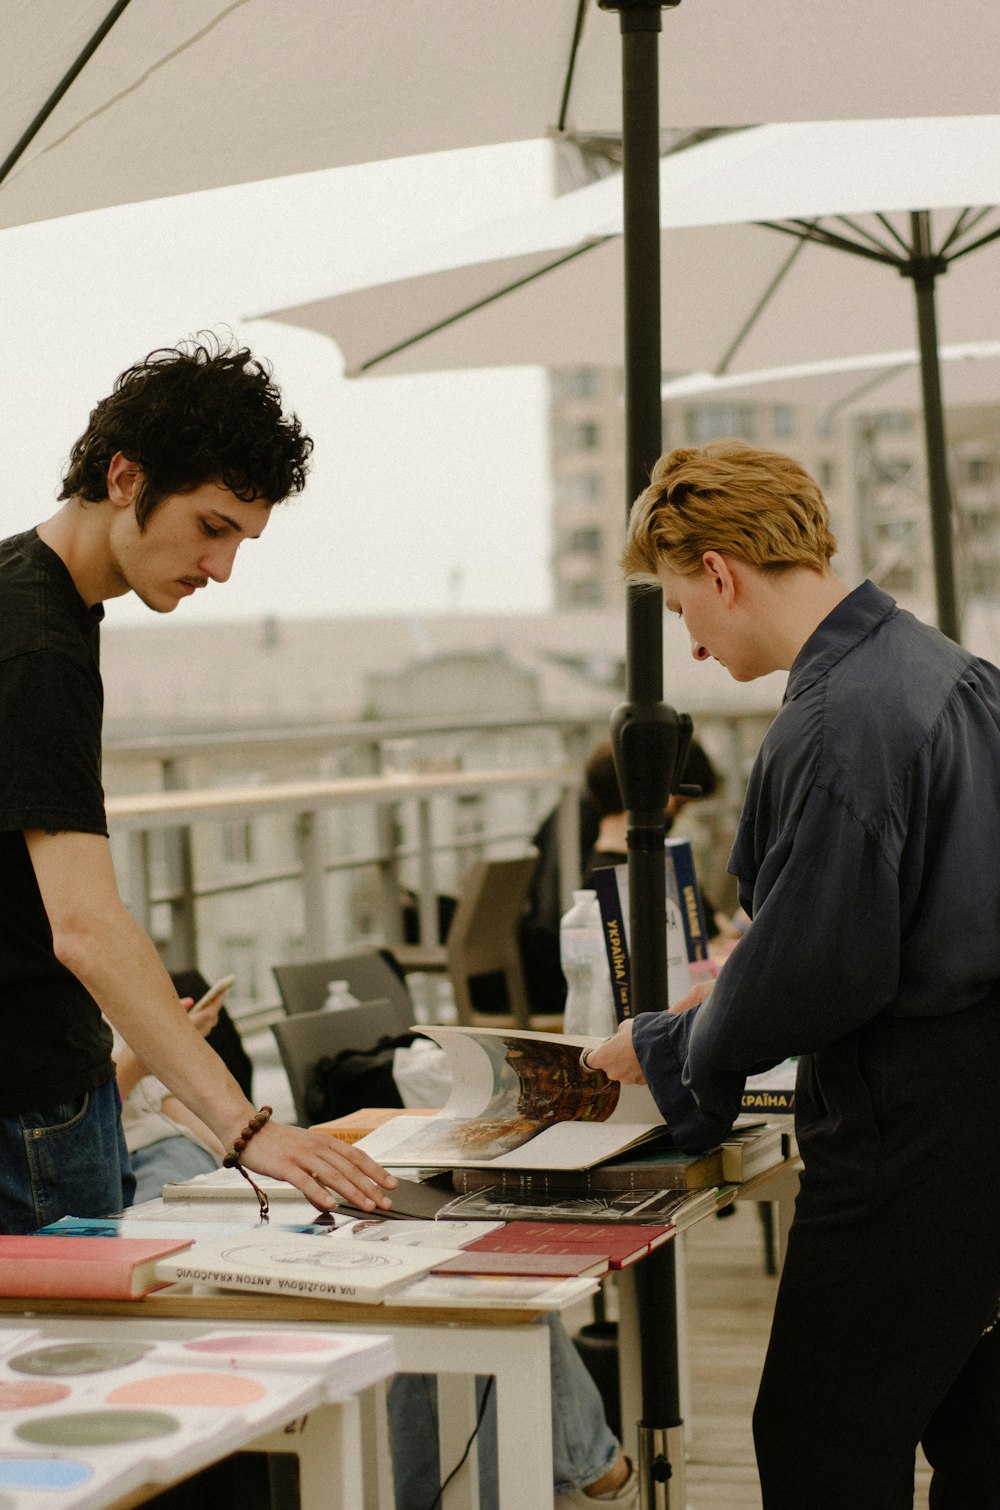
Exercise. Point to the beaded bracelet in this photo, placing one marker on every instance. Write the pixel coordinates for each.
(232, 1158)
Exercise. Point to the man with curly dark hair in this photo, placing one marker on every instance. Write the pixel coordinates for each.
(179, 465)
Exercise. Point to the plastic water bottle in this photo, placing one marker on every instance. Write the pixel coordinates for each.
(589, 1002)
(339, 994)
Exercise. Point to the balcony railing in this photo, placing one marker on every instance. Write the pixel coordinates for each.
(292, 891)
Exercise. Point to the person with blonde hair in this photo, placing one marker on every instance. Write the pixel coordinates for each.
(867, 858)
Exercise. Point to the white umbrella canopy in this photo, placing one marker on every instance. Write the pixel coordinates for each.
(545, 288)
(748, 276)
(880, 380)
(199, 93)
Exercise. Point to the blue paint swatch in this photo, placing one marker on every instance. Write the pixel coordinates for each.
(42, 1473)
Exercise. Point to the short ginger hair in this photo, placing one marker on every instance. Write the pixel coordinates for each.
(759, 506)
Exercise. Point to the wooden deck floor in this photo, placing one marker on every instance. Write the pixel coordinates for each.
(729, 1301)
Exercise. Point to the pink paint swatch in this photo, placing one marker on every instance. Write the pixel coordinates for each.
(189, 1389)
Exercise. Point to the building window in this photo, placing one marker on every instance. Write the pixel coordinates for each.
(895, 422)
(707, 422)
(984, 576)
(587, 593)
(577, 382)
(783, 421)
(976, 471)
(826, 474)
(584, 542)
(892, 469)
(899, 579)
(583, 436)
(981, 521)
(581, 488)
(898, 530)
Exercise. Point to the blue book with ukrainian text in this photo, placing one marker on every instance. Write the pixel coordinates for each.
(611, 885)
(615, 939)
(680, 855)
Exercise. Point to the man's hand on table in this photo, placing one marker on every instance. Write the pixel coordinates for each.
(324, 1168)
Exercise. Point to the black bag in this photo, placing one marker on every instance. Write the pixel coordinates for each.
(355, 1078)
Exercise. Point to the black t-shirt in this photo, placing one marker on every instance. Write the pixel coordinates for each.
(55, 1043)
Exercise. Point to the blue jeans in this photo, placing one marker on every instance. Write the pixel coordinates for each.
(583, 1445)
(68, 1160)
(168, 1159)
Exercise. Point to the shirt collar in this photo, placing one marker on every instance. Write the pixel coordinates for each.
(847, 625)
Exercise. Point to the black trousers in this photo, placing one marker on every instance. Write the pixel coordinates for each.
(892, 1275)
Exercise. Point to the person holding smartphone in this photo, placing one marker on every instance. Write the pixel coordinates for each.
(165, 1141)
(178, 467)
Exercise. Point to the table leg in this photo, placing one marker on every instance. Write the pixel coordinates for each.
(456, 1423)
(647, 1302)
(327, 1443)
(518, 1357)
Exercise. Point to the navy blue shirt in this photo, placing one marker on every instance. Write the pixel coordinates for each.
(868, 856)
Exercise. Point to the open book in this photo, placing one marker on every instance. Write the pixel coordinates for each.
(519, 1100)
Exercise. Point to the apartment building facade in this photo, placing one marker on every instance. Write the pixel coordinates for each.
(870, 465)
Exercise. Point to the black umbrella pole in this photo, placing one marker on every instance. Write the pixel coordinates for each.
(924, 271)
(646, 734)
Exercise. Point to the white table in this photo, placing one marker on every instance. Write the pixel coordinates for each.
(456, 1346)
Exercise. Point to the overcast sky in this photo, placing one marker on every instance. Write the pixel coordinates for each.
(427, 493)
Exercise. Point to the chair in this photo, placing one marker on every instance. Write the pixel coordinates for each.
(369, 973)
(309, 1036)
(483, 949)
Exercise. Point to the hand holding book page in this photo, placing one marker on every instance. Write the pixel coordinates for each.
(616, 1057)
(520, 1100)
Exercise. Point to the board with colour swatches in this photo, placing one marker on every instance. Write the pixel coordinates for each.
(84, 1421)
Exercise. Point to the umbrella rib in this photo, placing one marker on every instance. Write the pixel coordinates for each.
(147, 73)
(478, 304)
(975, 245)
(75, 68)
(964, 221)
(723, 364)
(868, 386)
(581, 9)
(896, 235)
(821, 235)
(865, 235)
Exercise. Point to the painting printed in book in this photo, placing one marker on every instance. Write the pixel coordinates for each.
(519, 1100)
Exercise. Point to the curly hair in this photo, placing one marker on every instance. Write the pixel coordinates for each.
(203, 411)
(759, 506)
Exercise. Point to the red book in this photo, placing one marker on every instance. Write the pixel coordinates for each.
(621, 1243)
(561, 1265)
(83, 1268)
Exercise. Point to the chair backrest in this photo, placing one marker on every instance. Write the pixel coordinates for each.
(369, 974)
(483, 939)
(309, 1036)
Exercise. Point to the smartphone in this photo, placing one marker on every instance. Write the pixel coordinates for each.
(215, 991)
